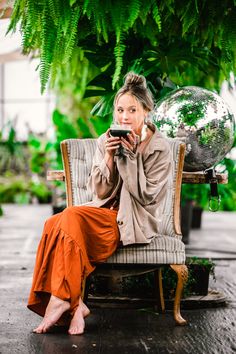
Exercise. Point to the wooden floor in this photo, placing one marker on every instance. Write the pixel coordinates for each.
(116, 330)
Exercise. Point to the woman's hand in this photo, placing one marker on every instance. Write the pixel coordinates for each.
(111, 143)
(130, 143)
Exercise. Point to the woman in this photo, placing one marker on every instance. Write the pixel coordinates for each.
(127, 189)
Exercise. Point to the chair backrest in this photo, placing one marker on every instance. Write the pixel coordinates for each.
(78, 157)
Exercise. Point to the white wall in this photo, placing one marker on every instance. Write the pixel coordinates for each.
(20, 100)
(23, 105)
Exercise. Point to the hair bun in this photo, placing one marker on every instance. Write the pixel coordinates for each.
(132, 79)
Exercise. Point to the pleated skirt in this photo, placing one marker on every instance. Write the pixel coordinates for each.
(72, 242)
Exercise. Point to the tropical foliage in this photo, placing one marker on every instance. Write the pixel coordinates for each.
(86, 47)
(188, 41)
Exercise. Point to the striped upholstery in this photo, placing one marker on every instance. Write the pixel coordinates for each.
(80, 154)
(167, 247)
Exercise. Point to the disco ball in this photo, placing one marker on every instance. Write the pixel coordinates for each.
(202, 120)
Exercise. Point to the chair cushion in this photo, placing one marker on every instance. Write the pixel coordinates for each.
(162, 250)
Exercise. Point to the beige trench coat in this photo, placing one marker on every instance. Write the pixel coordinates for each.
(143, 180)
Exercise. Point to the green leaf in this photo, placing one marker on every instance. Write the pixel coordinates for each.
(105, 106)
(72, 2)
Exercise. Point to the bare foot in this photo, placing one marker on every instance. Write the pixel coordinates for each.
(56, 307)
(77, 323)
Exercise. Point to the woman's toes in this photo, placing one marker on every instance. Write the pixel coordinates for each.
(76, 330)
(77, 326)
(39, 329)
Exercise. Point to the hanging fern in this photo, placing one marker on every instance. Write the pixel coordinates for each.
(119, 51)
(17, 14)
(156, 15)
(56, 28)
(146, 8)
(72, 36)
(87, 8)
(133, 11)
(189, 18)
(48, 37)
(54, 10)
(119, 21)
(228, 41)
(30, 38)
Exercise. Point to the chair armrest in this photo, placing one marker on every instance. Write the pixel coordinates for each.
(187, 177)
(200, 178)
(55, 175)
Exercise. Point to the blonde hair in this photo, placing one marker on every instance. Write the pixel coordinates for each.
(136, 86)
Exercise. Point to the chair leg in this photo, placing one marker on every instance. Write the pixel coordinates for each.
(159, 290)
(182, 273)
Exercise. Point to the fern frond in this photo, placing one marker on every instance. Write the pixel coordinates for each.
(48, 38)
(26, 38)
(134, 9)
(156, 15)
(228, 41)
(54, 10)
(58, 57)
(72, 2)
(119, 51)
(96, 14)
(72, 36)
(86, 8)
(188, 18)
(118, 16)
(17, 14)
(146, 8)
(30, 27)
(105, 29)
(196, 6)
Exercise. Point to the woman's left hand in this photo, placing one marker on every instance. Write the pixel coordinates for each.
(130, 143)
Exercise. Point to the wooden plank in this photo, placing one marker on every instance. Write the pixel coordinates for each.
(200, 178)
(56, 175)
(188, 177)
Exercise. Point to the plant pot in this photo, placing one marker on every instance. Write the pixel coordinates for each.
(186, 219)
(200, 275)
(57, 209)
(196, 217)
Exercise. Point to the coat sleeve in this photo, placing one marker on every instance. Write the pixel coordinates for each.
(146, 177)
(100, 181)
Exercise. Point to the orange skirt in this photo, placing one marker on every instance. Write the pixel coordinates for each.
(72, 242)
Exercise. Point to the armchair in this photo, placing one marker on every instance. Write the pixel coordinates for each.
(166, 248)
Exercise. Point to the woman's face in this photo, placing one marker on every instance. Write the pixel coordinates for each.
(129, 111)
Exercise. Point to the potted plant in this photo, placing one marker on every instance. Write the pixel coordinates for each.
(200, 270)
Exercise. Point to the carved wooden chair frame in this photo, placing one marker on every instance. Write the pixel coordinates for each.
(180, 269)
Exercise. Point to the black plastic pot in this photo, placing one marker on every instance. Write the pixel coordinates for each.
(186, 220)
(196, 217)
(57, 209)
(200, 275)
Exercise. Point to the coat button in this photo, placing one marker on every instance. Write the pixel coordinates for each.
(120, 222)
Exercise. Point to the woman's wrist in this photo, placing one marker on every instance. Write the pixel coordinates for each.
(109, 160)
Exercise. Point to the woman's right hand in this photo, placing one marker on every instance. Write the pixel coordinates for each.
(111, 143)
